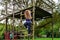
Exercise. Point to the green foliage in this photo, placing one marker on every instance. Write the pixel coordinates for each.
(45, 25)
(2, 28)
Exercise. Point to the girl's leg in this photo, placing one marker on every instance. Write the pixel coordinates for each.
(25, 24)
(29, 29)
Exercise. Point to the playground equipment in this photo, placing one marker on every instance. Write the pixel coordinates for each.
(36, 10)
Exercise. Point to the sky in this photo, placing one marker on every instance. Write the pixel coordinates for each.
(56, 1)
(0, 0)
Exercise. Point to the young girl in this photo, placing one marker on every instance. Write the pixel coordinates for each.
(28, 17)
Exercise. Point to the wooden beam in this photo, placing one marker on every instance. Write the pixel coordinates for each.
(47, 4)
(50, 2)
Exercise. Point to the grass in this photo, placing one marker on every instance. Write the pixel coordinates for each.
(47, 39)
(43, 39)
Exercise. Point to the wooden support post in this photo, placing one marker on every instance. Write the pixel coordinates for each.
(21, 23)
(6, 14)
(21, 19)
(6, 34)
(52, 24)
(33, 17)
(13, 18)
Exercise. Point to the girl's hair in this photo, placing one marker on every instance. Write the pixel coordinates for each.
(28, 11)
(27, 14)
